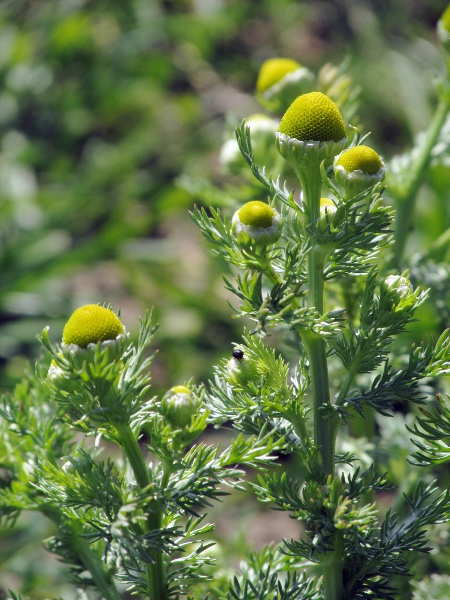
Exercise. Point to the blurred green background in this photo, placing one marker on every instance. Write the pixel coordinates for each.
(106, 108)
(103, 106)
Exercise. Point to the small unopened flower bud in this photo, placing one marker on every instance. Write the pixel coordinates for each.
(280, 81)
(242, 369)
(179, 405)
(358, 168)
(311, 130)
(60, 378)
(91, 324)
(397, 293)
(262, 133)
(327, 211)
(327, 206)
(257, 224)
(398, 286)
(443, 28)
(74, 465)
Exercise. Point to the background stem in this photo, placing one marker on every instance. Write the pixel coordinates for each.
(103, 581)
(406, 202)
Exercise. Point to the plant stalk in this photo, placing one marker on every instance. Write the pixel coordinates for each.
(325, 424)
(156, 575)
(333, 566)
(324, 428)
(405, 208)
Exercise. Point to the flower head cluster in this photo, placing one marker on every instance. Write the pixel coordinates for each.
(397, 293)
(311, 130)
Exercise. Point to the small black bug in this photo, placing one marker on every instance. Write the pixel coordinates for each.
(238, 354)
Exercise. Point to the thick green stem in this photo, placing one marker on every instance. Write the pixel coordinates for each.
(325, 424)
(405, 209)
(311, 183)
(156, 575)
(333, 566)
(324, 427)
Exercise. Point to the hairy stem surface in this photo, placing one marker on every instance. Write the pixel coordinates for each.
(325, 426)
(324, 434)
(155, 572)
(333, 566)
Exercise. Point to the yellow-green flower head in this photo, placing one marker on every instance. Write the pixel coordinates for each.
(91, 324)
(327, 210)
(256, 223)
(327, 206)
(313, 118)
(360, 158)
(443, 28)
(311, 130)
(280, 81)
(273, 70)
(179, 405)
(358, 168)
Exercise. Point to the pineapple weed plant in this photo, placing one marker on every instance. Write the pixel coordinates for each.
(138, 522)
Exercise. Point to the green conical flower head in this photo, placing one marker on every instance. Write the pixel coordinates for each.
(327, 210)
(273, 70)
(256, 223)
(358, 169)
(313, 117)
(90, 324)
(360, 158)
(256, 214)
